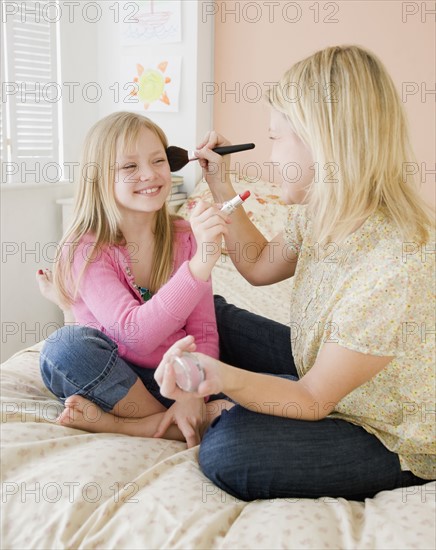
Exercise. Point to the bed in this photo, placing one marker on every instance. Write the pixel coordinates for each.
(66, 488)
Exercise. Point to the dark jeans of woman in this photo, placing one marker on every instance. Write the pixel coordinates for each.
(258, 456)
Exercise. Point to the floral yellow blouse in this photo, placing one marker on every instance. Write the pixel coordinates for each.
(374, 294)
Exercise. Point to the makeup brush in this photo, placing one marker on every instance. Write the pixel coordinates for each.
(178, 157)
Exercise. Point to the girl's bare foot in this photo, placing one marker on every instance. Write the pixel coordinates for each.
(85, 415)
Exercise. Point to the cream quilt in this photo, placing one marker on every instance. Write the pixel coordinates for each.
(65, 488)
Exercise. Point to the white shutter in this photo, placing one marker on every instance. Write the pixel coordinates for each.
(32, 110)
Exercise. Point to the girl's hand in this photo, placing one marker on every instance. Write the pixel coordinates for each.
(209, 225)
(166, 378)
(189, 416)
(215, 167)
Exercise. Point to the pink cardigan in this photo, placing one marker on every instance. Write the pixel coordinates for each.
(108, 301)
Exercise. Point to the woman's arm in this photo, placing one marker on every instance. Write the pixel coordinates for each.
(336, 372)
(266, 264)
(260, 262)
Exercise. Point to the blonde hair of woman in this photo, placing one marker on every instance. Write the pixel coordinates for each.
(342, 102)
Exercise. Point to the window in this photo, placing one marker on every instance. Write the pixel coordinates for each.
(30, 122)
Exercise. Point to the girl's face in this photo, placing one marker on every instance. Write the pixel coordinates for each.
(142, 176)
(292, 158)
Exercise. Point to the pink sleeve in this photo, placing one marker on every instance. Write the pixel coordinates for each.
(141, 328)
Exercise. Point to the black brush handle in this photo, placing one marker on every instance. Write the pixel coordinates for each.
(228, 149)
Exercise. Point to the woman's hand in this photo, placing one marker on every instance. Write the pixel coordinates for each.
(166, 378)
(215, 167)
(189, 416)
(164, 374)
(209, 225)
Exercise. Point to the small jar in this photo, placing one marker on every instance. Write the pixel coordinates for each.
(189, 373)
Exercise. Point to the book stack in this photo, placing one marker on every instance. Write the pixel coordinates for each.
(177, 197)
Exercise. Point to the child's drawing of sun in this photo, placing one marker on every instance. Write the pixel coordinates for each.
(151, 84)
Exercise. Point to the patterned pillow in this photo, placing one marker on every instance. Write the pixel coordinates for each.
(264, 207)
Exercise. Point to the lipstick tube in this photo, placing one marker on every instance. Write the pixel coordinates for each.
(230, 206)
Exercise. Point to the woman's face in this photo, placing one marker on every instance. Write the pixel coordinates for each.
(292, 159)
(142, 176)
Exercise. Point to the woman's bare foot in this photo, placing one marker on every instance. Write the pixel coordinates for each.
(47, 288)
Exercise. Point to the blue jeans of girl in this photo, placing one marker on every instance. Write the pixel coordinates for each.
(84, 361)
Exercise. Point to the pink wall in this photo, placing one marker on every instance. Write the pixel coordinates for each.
(250, 51)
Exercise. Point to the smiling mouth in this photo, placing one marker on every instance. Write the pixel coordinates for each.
(148, 191)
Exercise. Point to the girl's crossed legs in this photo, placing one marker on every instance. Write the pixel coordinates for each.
(104, 393)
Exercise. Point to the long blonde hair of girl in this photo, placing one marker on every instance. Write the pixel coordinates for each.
(343, 105)
(96, 210)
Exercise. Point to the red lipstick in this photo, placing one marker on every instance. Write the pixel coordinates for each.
(230, 206)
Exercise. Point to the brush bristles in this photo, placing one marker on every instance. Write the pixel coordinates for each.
(177, 158)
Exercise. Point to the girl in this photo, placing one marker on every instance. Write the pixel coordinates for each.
(352, 410)
(135, 282)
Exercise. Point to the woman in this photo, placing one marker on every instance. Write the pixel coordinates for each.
(348, 413)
